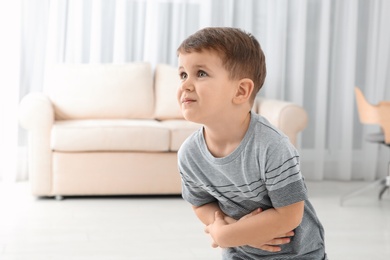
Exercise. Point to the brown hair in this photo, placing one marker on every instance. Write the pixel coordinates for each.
(240, 52)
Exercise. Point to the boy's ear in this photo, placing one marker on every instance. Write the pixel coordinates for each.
(244, 91)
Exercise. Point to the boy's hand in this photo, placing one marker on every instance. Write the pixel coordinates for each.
(274, 244)
(231, 220)
(219, 222)
(271, 246)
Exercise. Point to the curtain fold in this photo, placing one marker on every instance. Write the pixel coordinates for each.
(316, 51)
(10, 13)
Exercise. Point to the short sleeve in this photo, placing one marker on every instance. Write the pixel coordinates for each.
(284, 180)
(194, 193)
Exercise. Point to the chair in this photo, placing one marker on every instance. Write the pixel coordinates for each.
(379, 115)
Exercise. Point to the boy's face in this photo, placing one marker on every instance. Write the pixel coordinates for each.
(206, 91)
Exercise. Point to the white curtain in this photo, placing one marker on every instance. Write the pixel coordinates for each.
(10, 15)
(316, 51)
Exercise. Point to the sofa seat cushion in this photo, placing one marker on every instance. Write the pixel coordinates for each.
(180, 130)
(110, 135)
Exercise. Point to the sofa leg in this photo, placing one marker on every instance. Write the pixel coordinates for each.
(59, 197)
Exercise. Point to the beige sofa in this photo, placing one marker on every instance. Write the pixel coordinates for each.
(114, 129)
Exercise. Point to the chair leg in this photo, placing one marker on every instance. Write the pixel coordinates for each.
(360, 190)
(386, 183)
(382, 191)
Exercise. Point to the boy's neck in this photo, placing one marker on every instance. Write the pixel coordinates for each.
(223, 137)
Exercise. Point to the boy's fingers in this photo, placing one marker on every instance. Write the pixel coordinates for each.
(206, 229)
(259, 210)
(279, 241)
(214, 245)
(290, 234)
(218, 215)
(270, 248)
(253, 213)
(229, 220)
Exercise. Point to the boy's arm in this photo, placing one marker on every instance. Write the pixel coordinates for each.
(206, 213)
(256, 230)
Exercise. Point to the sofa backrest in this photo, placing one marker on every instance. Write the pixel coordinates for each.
(100, 91)
(166, 82)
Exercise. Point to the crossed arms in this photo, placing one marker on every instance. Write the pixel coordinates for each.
(260, 229)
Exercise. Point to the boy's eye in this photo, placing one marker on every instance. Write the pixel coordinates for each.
(201, 74)
(183, 75)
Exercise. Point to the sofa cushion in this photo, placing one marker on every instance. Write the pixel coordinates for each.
(101, 91)
(166, 83)
(109, 135)
(180, 130)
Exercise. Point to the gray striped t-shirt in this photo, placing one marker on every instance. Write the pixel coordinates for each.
(262, 172)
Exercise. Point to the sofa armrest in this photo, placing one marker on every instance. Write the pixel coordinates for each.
(36, 112)
(290, 118)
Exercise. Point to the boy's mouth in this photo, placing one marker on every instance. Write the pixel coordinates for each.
(187, 100)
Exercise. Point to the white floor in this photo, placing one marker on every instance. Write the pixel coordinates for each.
(165, 228)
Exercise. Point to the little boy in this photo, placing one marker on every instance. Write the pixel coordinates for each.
(240, 173)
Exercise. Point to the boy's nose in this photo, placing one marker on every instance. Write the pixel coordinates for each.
(187, 86)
